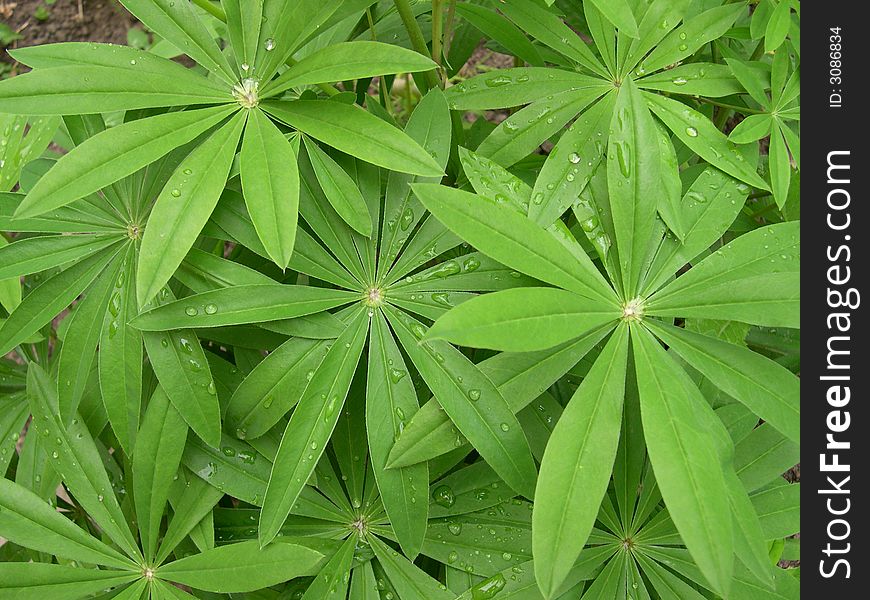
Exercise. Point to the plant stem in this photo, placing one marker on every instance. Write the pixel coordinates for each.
(417, 40)
(210, 7)
(740, 109)
(382, 84)
(437, 29)
(448, 28)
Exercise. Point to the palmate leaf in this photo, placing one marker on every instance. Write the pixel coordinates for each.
(683, 458)
(77, 460)
(339, 189)
(184, 206)
(768, 389)
(50, 298)
(31, 255)
(115, 153)
(355, 132)
(333, 578)
(270, 181)
(310, 427)
(393, 401)
(345, 61)
(120, 355)
(242, 567)
(754, 279)
(182, 369)
(513, 240)
(177, 22)
(242, 304)
(520, 377)
(633, 176)
(159, 445)
(522, 319)
(27, 520)
(31, 581)
(577, 464)
(474, 404)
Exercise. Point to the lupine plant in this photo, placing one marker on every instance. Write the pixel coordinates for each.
(321, 302)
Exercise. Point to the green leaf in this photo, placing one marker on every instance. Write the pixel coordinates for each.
(193, 504)
(120, 355)
(76, 458)
(242, 567)
(27, 520)
(754, 279)
(178, 23)
(521, 133)
(472, 402)
(241, 304)
(633, 176)
(780, 164)
(513, 240)
(310, 427)
(619, 13)
(403, 491)
(244, 20)
(159, 446)
(408, 580)
(270, 181)
(184, 206)
(766, 388)
(700, 134)
(522, 319)
(514, 87)
(749, 541)
(686, 39)
(183, 371)
(273, 387)
(10, 288)
(35, 581)
(333, 578)
(571, 163)
(577, 464)
(340, 189)
(90, 89)
(50, 298)
(751, 129)
(82, 337)
(683, 457)
(31, 255)
(502, 31)
(115, 153)
(708, 208)
(520, 377)
(355, 132)
(778, 26)
(694, 79)
(552, 31)
(344, 61)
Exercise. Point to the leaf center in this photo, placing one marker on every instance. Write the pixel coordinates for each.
(633, 310)
(247, 92)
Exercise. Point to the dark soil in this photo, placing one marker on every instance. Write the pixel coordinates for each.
(99, 21)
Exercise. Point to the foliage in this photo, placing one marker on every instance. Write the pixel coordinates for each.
(329, 314)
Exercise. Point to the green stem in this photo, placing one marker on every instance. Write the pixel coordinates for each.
(382, 84)
(210, 7)
(740, 109)
(417, 40)
(437, 29)
(448, 27)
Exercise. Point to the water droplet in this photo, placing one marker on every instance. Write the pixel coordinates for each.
(269, 45)
(443, 496)
(474, 395)
(680, 81)
(470, 264)
(191, 311)
(488, 588)
(175, 193)
(498, 81)
(396, 375)
(454, 528)
(574, 158)
(210, 309)
(505, 427)
(691, 132)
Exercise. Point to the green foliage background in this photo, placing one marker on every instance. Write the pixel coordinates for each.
(325, 316)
